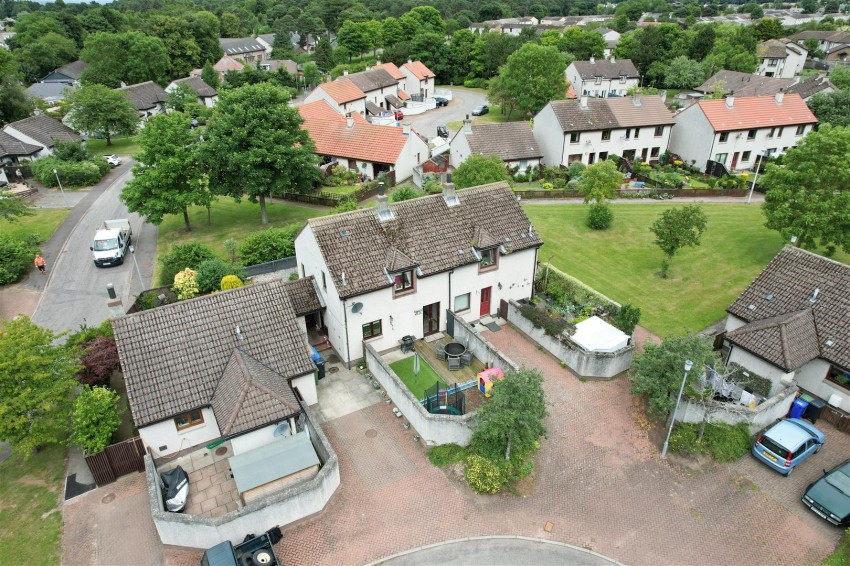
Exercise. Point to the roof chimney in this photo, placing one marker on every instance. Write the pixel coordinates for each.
(663, 95)
(730, 102)
(382, 207)
(349, 121)
(345, 72)
(409, 60)
(449, 194)
(593, 60)
(636, 101)
(779, 96)
(582, 102)
(405, 129)
(612, 59)
(467, 126)
(378, 62)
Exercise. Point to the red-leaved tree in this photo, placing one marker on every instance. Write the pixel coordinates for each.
(100, 359)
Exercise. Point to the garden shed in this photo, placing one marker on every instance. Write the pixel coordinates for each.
(596, 335)
(275, 466)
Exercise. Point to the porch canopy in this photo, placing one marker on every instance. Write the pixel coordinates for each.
(596, 335)
(277, 459)
(394, 100)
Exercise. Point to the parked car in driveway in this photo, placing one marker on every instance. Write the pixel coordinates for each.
(441, 101)
(113, 160)
(829, 496)
(398, 115)
(443, 132)
(480, 110)
(788, 443)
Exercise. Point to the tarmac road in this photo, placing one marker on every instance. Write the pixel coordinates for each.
(462, 103)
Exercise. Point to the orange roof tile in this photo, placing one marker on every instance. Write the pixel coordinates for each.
(403, 95)
(321, 110)
(391, 68)
(342, 90)
(227, 63)
(756, 112)
(419, 70)
(363, 141)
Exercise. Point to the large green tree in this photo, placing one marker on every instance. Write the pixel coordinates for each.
(840, 77)
(205, 26)
(15, 104)
(532, 76)
(600, 182)
(11, 207)
(807, 196)
(45, 54)
(267, 152)
(479, 170)
(168, 178)
(351, 37)
(179, 40)
(677, 228)
(582, 44)
(36, 386)
(130, 57)
(831, 108)
(682, 72)
(102, 112)
(95, 418)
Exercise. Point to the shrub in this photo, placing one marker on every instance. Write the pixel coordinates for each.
(521, 178)
(180, 257)
(600, 216)
(547, 186)
(99, 359)
(233, 282)
(185, 284)
(576, 169)
(723, 442)
(446, 454)
(345, 205)
(71, 151)
(268, 245)
(71, 173)
(211, 272)
(627, 318)
(15, 259)
(403, 193)
(476, 83)
(293, 277)
(339, 175)
(95, 419)
(33, 239)
(538, 318)
(88, 333)
(485, 475)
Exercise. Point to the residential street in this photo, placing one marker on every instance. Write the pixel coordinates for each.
(462, 103)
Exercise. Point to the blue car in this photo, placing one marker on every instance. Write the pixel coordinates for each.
(788, 443)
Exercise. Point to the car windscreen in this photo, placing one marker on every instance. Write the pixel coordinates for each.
(774, 447)
(105, 245)
(839, 481)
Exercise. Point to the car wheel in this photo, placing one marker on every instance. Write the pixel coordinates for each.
(262, 557)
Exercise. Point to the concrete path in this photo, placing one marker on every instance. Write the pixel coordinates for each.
(462, 103)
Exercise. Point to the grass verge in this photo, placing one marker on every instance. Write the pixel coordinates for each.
(445, 454)
(121, 145)
(30, 519)
(44, 222)
(623, 262)
(416, 383)
(723, 442)
(841, 556)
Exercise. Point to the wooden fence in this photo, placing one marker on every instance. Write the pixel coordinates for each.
(839, 419)
(117, 460)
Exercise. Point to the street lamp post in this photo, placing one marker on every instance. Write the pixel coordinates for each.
(688, 365)
(756, 178)
(64, 199)
(138, 272)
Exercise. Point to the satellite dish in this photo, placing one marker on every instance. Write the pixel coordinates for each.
(357, 307)
(282, 429)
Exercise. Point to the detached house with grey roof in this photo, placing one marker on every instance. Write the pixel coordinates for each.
(147, 97)
(207, 95)
(601, 78)
(247, 49)
(40, 132)
(395, 270)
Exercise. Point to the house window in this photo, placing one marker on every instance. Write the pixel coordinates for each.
(190, 419)
(622, 79)
(654, 152)
(303, 273)
(659, 131)
(839, 377)
(523, 165)
(745, 156)
(603, 155)
(462, 303)
(724, 137)
(721, 157)
(324, 282)
(575, 157)
(403, 282)
(771, 133)
(637, 133)
(782, 129)
(489, 259)
(751, 135)
(597, 80)
(628, 133)
(606, 135)
(801, 129)
(575, 137)
(372, 329)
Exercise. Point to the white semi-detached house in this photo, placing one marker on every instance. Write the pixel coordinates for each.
(734, 131)
(395, 270)
(781, 58)
(600, 78)
(590, 129)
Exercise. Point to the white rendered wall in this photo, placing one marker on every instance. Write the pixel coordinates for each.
(165, 433)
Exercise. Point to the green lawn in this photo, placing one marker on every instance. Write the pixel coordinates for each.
(341, 190)
(122, 145)
(416, 383)
(623, 262)
(44, 222)
(30, 519)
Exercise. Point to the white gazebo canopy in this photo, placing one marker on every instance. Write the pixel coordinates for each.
(596, 335)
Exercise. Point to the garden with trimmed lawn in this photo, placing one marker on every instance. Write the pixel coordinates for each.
(121, 145)
(624, 262)
(416, 383)
(44, 222)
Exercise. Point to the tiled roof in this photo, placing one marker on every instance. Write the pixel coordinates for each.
(275, 64)
(249, 395)
(772, 48)
(302, 293)
(342, 90)
(12, 147)
(74, 69)
(44, 129)
(364, 141)
(610, 113)
(394, 100)
(509, 140)
(787, 341)
(736, 83)
(831, 36)
(419, 70)
(198, 85)
(391, 68)
(173, 356)
(144, 96)
(402, 95)
(427, 231)
(606, 69)
(373, 108)
(49, 91)
(236, 46)
(810, 86)
(227, 63)
(372, 80)
(756, 112)
(787, 285)
(267, 37)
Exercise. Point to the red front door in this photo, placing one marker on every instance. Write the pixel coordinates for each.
(734, 160)
(485, 301)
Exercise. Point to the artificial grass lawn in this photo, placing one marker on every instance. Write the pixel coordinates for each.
(30, 518)
(122, 145)
(416, 383)
(623, 262)
(44, 222)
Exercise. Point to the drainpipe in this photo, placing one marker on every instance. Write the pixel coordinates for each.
(533, 274)
(450, 291)
(347, 349)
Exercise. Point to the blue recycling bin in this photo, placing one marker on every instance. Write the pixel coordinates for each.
(798, 407)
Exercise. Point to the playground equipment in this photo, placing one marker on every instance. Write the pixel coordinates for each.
(486, 379)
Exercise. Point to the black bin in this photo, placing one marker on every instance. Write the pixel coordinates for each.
(814, 409)
(320, 367)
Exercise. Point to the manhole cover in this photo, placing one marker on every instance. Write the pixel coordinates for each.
(108, 498)
(371, 433)
(333, 370)
(221, 451)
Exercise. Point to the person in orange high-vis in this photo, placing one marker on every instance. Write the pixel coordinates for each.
(39, 262)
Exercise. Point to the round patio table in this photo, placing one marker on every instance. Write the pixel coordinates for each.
(455, 349)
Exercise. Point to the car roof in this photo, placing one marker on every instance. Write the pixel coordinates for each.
(789, 434)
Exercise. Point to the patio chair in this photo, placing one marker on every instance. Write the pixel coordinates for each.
(466, 358)
(454, 364)
(440, 351)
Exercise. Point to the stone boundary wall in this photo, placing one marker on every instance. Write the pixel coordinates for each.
(773, 408)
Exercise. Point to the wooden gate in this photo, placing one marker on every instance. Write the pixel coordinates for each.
(117, 460)
(838, 419)
(503, 309)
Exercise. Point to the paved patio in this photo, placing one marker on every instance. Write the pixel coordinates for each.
(212, 489)
(343, 391)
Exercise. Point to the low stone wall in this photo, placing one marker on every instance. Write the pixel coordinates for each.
(479, 347)
(581, 361)
(773, 408)
(281, 508)
(434, 429)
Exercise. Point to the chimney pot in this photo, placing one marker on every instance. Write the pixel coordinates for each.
(779, 95)
(663, 95)
(730, 102)
(345, 72)
(467, 126)
(593, 60)
(583, 102)
(349, 121)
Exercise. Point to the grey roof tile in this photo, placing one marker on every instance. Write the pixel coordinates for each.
(736, 83)
(788, 340)
(606, 69)
(198, 85)
(509, 140)
(13, 147)
(810, 86)
(235, 46)
(45, 130)
(302, 293)
(610, 113)
(144, 96)
(372, 80)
